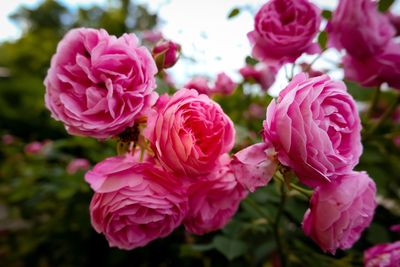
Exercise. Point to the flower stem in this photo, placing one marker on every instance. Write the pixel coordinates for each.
(314, 60)
(279, 241)
(305, 192)
(255, 206)
(385, 115)
(375, 99)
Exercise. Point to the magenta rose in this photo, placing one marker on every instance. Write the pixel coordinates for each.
(383, 255)
(315, 129)
(77, 164)
(375, 70)
(283, 30)
(263, 74)
(166, 54)
(152, 36)
(395, 21)
(224, 84)
(97, 84)
(188, 132)
(340, 211)
(254, 166)
(213, 200)
(33, 148)
(200, 84)
(358, 27)
(134, 202)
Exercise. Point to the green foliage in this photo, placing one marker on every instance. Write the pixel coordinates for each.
(251, 61)
(234, 12)
(384, 5)
(323, 39)
(326, 14)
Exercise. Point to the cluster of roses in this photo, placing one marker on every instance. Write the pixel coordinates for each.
(284, 30)
(368, 37)
(102, 86)
(314, 125)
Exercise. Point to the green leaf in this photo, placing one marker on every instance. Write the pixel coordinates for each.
(323, 39)
(251, 61)
(234, 12)
(231, 248)
(376, 233)
(326, 14)
(384, 5)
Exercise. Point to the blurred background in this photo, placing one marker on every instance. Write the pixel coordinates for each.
(44, 219)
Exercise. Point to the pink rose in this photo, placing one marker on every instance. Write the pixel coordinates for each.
(358, 27)
(254, 166)
(200, 84)
(340, 211)
(189, 132)
(224, 84)
(97, 84)
(315, 128)
(8, 139)
(375, 70)
(166, 54)
(134, 202)
(33, 148)
(395, 228)
(395, 21)
(283, 30)
(383, 255)
(152, 36)
(262, 74)
(78, 164)
(255, 111)
(213, 200)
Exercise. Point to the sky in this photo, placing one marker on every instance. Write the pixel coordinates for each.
(215, 43)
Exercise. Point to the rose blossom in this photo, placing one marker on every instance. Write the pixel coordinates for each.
(188, 132)
(395, 228)
(213, 200)
(8, 139)
(134, 202)
(262, 74)
(375, 70)
(200, 84)
(315, 128)
(283, 30)
(166, 54)
(395, 21)
(358, 27)
(97, 84)
(383, 255)
(152, 36)
(254, 166)
(77, 164)
(340, 211)
(33, 148)
(224, 84)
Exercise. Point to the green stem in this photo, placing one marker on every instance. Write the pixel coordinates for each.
(314, 60)
(255, 206)
(375, 99)
(385, 115)
(305, 192)
(279, 241)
